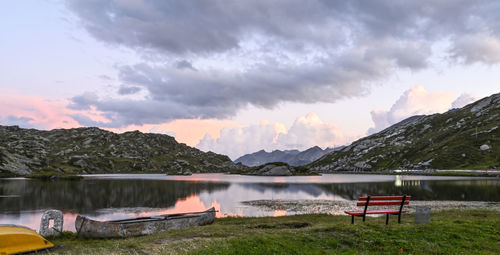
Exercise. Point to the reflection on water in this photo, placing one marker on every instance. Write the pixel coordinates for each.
(400, 182)
(278, 213)
(108, 197)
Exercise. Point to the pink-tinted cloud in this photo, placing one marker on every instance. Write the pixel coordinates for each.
(188, 131)
(417, 101)
(306, 131)
(34, 111)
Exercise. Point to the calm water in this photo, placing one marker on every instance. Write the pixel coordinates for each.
(105, 197)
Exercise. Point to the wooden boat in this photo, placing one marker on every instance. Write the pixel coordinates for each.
(141, 226)
(18, 239)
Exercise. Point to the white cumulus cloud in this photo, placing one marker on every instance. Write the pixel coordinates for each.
(417, 101)
(463, 100)
(306, 131)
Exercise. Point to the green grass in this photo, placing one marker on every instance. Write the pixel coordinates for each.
(7, 175)
(450, 232)
(53, 175)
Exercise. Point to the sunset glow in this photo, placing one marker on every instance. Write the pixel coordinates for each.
(279, 213)
(284, 83)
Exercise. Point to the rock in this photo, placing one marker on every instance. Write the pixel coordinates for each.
(273, 170)
(87, 141)
(57, 217)
(80, 163)
(17, 164)
(182, 162)
(427, 163)
(362, 166)
(484, 147)
(483, 103)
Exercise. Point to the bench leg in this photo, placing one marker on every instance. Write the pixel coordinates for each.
(399, 218)
(387, 219)
(352, 219)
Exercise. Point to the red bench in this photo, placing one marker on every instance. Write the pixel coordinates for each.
(380, 201)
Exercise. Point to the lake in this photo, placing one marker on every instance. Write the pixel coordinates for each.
(106, 197)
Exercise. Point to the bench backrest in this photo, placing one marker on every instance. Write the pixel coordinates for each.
(384, 201)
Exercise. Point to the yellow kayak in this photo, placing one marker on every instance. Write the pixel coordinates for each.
(18, 239)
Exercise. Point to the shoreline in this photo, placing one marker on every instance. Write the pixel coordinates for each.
(451, 173)
(337, 207)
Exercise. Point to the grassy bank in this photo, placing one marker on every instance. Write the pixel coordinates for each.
(53, 175)
(450, 232)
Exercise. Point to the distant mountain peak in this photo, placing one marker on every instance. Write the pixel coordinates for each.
(292, 157)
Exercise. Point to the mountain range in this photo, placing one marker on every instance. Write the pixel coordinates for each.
(291, 157)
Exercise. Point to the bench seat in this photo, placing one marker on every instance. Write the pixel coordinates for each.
(390, 211)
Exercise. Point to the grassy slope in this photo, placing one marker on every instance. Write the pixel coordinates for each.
(447, 145)
(450, 232)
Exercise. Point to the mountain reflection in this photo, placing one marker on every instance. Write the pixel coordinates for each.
(87, 196)
(466, 190)
(469, 190)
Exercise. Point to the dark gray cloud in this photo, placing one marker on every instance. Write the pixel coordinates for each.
(287, 51)
(128, 90)
(204, 26)
(185, 93)
(183, 64)
(220, 25)
(84, 101)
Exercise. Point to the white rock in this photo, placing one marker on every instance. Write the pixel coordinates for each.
(484, 147)
(481, 105)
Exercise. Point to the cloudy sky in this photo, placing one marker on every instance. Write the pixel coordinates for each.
(235, 77)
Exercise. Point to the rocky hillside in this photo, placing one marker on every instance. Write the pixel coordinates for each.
(93, 150)
(291, 157)
(279, 169)
(466, 138)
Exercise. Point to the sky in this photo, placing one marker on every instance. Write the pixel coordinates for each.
(235, 77)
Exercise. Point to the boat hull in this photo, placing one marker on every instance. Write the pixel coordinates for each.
(86, 227)
(18, 239)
